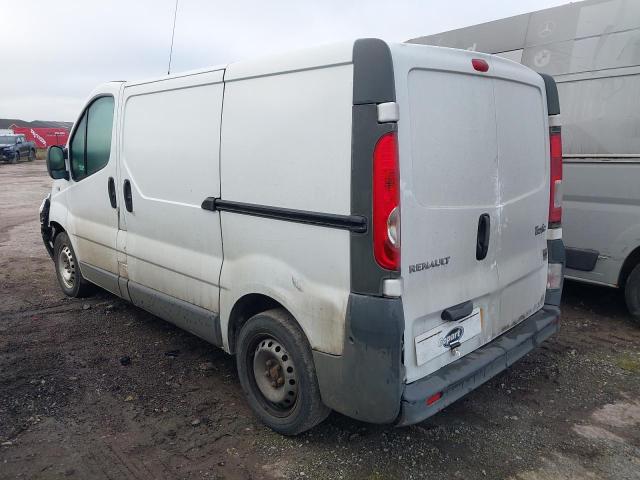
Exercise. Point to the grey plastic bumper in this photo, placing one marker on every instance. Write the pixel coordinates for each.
(459, 378)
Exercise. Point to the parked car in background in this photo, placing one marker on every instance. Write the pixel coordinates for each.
(374, 230)
(591, 50)
(13, 148)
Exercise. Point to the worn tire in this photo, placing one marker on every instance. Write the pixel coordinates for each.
(307, 409)
(16, 158)
(32, 155)
(65, 259)
(632, 293)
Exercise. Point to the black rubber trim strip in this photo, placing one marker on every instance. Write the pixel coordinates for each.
(553, 100)
(353, 223)
(582, 259)
(373, 78)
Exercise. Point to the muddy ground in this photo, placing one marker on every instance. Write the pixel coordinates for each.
(69, 408)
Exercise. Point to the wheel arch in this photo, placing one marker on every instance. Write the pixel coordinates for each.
(246, 307)
(57, 229)
(629, 264)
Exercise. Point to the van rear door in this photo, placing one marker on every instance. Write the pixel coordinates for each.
(474, 200)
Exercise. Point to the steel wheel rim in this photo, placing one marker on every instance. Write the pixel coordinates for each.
(67, 267)
(275, 374)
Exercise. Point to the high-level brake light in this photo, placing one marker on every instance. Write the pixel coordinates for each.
(480, 65)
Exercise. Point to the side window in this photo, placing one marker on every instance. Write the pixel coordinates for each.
(91, 144)
(77, 149)
(99, 134)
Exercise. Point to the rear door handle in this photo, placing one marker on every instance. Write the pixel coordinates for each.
(111, 188)
(128, 199)
(484, 233)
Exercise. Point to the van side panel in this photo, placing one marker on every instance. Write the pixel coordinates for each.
(602, 214)
(286, 143)
(169, 153)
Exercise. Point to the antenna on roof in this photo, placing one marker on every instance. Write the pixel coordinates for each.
(173, 32)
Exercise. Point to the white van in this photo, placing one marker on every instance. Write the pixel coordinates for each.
(278, 236)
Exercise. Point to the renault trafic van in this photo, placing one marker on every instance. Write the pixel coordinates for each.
(368, 227)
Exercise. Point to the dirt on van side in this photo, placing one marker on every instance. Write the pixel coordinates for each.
(97, 388)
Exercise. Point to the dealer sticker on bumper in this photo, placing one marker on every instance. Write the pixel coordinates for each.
(444, 337)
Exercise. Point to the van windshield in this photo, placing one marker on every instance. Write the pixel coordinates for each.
(7, 139)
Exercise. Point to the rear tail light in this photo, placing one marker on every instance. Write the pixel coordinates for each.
(555, 197)
(386, 202)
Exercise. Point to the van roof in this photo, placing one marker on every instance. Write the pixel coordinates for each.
(306, 58)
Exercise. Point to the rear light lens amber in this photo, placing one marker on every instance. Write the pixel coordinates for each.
(386, 202)
(555, 197)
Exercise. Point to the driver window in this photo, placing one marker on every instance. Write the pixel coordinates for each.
(77, 149)
(91, 144)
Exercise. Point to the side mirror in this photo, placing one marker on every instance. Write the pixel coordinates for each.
(18, 140)
(55, 163)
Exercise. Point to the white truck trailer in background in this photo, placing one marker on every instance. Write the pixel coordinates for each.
(592, 49)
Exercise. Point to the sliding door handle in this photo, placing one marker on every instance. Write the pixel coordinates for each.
(128, 198)
(111, 188)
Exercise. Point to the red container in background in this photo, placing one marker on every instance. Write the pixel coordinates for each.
(43, 137)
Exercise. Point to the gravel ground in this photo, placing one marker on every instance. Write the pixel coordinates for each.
(97, 388)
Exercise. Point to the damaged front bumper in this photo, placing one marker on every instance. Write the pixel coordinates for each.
(45, 229)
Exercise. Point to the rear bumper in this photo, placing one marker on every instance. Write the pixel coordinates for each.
(366, 382)
(464, 375)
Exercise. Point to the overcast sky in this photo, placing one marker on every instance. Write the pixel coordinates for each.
(55, 52)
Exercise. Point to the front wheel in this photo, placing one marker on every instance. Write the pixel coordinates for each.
(632, 293)
(70, 278)
(277, 373)
(16, 157)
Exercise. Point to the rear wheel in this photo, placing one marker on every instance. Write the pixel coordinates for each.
(276, 371)
(632, 293)
(32, 155)
(68, 272)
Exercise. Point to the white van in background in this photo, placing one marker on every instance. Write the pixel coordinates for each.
(372, 229)
(591, 50)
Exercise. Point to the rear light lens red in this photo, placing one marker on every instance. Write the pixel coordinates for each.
(386, 202)
(433, 399)
(480, 65)
(555, 197)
